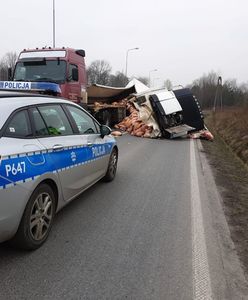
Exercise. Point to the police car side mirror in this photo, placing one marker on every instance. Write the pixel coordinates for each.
(104, 130)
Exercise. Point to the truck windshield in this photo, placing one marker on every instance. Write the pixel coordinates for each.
(45, 70)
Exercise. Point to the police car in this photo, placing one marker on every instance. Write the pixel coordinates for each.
(51, 150)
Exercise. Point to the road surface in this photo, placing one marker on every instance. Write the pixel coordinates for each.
(156, 232)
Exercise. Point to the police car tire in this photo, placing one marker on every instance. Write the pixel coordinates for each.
(23, 238)
(112, 166)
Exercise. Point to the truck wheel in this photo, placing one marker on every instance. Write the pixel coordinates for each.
(37, 219)
(112, 166)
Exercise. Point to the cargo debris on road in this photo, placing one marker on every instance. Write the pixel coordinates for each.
(149, 113)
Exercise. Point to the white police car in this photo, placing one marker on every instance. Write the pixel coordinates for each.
(50, 151)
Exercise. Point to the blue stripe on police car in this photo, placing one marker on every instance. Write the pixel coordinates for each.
(19, 168)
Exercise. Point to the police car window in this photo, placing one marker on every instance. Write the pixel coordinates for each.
(19, 125)
(56, 120)
(39, 124)
(84, 122)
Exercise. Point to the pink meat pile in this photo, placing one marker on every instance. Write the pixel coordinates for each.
(133, 125)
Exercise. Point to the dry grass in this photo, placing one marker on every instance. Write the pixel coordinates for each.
(232, 126)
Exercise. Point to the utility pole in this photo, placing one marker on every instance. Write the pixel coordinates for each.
(154, 80)
(218, 94)
(127, 57)
(155, 70)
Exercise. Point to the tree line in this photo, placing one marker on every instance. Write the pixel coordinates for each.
(207, 91)
(6, 62)
(99, 72)
(205, 88)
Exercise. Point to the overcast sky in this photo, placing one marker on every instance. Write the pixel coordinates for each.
(182, 39)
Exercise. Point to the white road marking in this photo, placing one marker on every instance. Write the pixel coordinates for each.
(201, 277)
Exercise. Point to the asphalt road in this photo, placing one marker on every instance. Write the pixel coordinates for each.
(156, 232)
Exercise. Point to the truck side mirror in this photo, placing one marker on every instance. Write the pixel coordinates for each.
(9, 74)
(74, 74)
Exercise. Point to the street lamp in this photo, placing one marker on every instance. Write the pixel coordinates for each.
(127, 57)
(150, 76)
(53, 23)
(155, 79)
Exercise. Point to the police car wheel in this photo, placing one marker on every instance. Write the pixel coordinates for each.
(37, 219)
(112, 166)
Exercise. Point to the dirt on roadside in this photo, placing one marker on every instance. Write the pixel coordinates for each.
(231, 176)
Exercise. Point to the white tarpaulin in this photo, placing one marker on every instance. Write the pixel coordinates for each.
(139, 86)
(97, 92)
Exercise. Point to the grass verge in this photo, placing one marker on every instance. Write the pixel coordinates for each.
(231, 176)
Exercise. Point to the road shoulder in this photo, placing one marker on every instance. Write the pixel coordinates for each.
(226, 270)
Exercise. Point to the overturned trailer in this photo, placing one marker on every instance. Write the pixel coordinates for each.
(166, 111)
(108, 104)
(146, 112)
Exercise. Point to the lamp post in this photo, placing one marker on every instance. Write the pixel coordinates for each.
(53, 23)
(150, 76)
(127, 57)
(155, 79)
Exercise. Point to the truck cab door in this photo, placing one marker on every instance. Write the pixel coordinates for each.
(73, 84)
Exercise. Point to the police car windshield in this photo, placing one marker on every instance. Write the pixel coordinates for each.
(46, 70)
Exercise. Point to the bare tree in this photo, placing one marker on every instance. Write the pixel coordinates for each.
(144, 80)
(3, 72)
(205, 88)
(8, 61)
(118, 80)
(11, 58)
(99, 72)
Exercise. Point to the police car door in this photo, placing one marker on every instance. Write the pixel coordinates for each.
(66, 150)
(98, 148)
(21, 157)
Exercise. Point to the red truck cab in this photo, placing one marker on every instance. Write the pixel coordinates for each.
(62, 66)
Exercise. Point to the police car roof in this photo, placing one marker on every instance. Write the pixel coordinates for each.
(20, 99)
(10, 101)
(8, 93)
